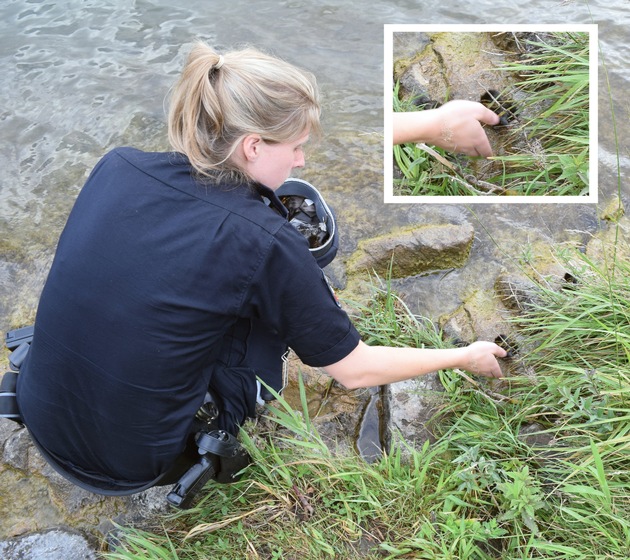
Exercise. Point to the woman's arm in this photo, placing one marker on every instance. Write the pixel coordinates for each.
(455, 126)
(368, 366)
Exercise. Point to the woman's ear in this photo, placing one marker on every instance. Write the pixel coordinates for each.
(251, 146)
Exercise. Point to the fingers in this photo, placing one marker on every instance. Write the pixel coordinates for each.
(483, 359)
(499, 352)
(497, 371)
(482, 148)
(482, 144)
(488, 117)
(463, 121)
(491, 369)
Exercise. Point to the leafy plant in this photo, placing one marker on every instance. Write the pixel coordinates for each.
(522, 498)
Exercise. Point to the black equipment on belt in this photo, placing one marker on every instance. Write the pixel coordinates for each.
(222, 457)
(18, 341)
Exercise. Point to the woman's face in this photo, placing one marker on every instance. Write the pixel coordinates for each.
(273, 162)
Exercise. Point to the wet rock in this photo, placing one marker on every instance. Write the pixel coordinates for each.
(416, 88)
(516, 293)
(8, 429)
(458, 327)
(478, 318)
(613, 211)
(416, 250)
(424, 79)
(407, 44)
(412, 405)
(370, 440)
(16, 449)
(468, 63)
(450, 66)
(482, 317)
(54, 544)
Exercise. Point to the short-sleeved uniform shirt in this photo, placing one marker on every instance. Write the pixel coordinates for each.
(152, 269)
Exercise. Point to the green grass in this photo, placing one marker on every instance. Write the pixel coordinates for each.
(483, 490)
(546, 150)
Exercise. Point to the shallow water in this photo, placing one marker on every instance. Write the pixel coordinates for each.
(81, 76)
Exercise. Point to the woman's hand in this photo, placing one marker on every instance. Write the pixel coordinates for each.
(455, 126)
(461, 129)
(480, 358)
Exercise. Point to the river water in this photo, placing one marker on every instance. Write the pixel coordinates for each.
(82, 76)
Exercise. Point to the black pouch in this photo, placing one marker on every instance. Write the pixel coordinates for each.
(8, 402)
(19, 342)
(266, 354)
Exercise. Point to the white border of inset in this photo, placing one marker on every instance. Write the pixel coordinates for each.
(390, 29)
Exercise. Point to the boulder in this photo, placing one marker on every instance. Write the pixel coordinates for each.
(54, 544)
(414, 250)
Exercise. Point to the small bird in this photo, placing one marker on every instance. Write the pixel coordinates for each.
(502, 106)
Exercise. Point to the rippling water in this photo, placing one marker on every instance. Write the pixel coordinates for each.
(80, 76)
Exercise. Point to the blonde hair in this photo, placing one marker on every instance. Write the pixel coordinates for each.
(220, 99)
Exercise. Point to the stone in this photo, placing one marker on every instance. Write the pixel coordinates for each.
(16, 449)
(7, 430)
(407, 44)
(478, 318)
(411, 406)
(53, 544)
(415, 250)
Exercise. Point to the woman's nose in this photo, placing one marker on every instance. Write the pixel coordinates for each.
(299, 160)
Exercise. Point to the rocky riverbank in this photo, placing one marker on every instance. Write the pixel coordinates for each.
(44, 516)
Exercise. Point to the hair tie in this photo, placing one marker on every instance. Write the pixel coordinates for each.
(219, 63)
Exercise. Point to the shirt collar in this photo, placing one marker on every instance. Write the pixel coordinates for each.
(270, 198)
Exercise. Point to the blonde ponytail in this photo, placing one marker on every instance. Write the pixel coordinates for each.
(220, 99)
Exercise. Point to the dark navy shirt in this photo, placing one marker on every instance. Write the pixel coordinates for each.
(151, 270)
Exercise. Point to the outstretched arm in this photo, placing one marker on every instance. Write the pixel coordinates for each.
(369, 366)
(455, 126)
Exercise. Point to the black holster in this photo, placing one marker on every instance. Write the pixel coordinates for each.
(222, 458)
(19, 342)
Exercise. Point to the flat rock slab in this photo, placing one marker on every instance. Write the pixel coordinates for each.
(416, 250)
(412, 406)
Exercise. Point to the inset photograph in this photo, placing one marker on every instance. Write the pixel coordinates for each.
(485, 113)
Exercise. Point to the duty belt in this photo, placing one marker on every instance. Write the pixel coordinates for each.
(19, 342)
